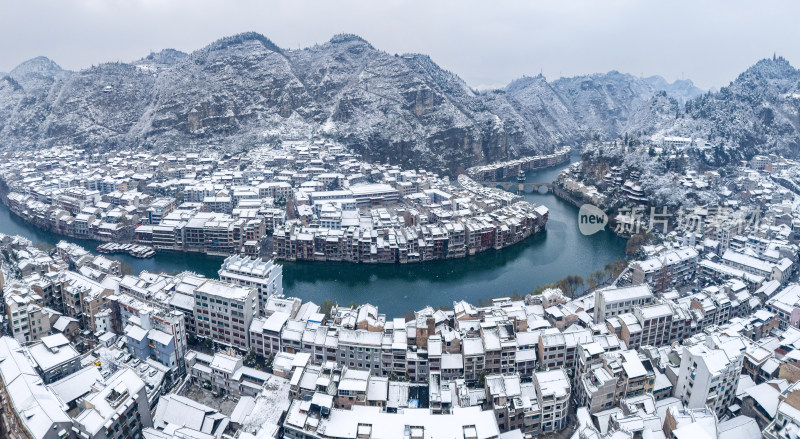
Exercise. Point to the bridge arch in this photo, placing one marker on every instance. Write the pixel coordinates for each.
(514, 187)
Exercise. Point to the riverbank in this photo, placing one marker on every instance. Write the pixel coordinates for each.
(562, 194)
(512, 168)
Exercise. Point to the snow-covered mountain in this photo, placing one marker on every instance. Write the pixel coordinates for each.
(595, 106)
(757, 113)
(682, 90)
(244, 90)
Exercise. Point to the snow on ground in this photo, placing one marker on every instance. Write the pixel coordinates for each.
(270, 405)
(225, 404)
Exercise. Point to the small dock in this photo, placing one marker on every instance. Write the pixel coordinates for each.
(137, 251)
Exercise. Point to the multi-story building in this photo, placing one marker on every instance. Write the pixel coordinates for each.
(352, 388)
(266, 277)
(28, 321)
(560, 350)
(610, 377)
(362, 349)
(747, 263)
(596, 390)
(759, 162)
(222, 236)
(227, 374)
(786, 305)
(29, 409)
(158, 208)
(635, 375)
(708, 377)
(474, 357)
(318, 422)
(152, 329)
(614, 301)
(224, 313)
(666, 270)
(787, 419)
(553, 390)
(54, 357)
(265, 333)
(715, 308)
(648, 325)
(515, 403)
(83, 298)
(116, 409)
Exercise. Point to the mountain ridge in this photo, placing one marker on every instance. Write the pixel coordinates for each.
(244, 90)
(756, 113)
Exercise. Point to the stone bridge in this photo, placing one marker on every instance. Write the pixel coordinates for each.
(516, 187)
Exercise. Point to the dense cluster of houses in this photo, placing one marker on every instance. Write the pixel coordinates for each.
(314, 200)
(646, 355)
(504, 170)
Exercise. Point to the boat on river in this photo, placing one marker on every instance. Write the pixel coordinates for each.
(137, 251)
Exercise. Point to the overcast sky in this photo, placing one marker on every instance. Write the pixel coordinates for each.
(487, 43)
